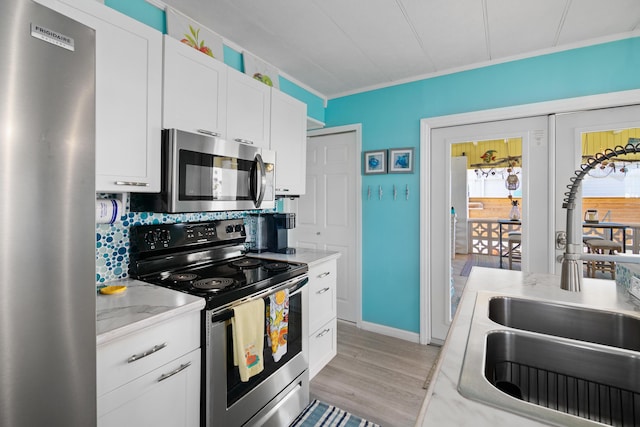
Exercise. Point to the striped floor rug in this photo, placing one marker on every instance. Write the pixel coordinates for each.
(321, 414)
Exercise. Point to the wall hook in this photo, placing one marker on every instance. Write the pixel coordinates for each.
(380, 192)
(368, 192)
(407, 192)
(395, 192)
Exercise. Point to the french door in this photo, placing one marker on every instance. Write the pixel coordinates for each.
(569, 130)
(535, 193)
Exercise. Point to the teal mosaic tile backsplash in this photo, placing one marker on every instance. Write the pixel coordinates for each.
(112, 240)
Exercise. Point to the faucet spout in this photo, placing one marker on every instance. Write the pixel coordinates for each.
(571, 274)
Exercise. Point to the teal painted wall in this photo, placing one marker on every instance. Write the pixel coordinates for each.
(390, 118)
(154, 17)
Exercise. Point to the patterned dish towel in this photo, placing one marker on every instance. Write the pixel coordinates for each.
(248, 338)
(278, 323)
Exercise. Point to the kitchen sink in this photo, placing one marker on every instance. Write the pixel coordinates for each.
(591, 383)
(596, 326)
(526, 357)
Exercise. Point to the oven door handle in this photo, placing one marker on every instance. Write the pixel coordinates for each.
(226, 312)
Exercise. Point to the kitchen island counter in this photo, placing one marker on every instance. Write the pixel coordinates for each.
(141, 305)
(444, 405)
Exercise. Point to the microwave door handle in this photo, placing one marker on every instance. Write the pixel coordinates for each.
(262, 179)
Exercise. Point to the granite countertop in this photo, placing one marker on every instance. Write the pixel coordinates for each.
(139, 306)
(444, 405)
(310, 257)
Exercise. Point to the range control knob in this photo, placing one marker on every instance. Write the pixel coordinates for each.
(164, 236)
(229, 229)
(150, 238)
(239, 228)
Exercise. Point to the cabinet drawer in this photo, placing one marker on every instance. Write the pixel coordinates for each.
(322, 294)
(322, 347)
(167, 396)
(130, 357)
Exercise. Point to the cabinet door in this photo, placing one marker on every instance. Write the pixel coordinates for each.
(194, 90)
(248, 109)
(166, 397)
(128, 94)
(289, 141)
(322, 347)
(322, 293)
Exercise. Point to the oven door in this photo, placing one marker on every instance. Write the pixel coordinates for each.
(283, 384)
(209, 173)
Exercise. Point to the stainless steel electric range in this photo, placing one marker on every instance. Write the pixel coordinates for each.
(208, 259)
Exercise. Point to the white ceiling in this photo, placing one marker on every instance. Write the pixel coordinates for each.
(337, 47)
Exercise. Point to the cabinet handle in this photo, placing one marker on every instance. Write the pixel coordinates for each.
(282, 189)
(323, 333)
(147, 353)
(208, 132)
(135, 184)
(322, 291)
(175, 371)
(244, 141)
(325, 274)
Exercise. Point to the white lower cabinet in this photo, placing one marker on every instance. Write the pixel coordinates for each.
(322, 315)
(168, 396)
(151, 377)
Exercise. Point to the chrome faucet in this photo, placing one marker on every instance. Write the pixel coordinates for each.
(571, 275)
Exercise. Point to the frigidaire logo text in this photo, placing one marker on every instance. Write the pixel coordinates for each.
(52, 37)
(53, 34)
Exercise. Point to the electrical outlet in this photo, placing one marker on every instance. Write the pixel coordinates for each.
(634, 287)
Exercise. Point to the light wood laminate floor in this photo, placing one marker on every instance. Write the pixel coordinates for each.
(376, 377)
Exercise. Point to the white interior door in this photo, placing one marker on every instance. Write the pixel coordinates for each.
(568, 151)
(535, 215)
(328, 214)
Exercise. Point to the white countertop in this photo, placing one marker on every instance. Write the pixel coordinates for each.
(139, 306)
(444, 405)
(310, 257)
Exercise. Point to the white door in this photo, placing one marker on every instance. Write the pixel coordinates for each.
(568, 151)
(535, 214)
(328, 214)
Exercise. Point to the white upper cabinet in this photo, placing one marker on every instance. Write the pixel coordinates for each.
(128, 97)
(195, 89)
(289, 141)
(248, 109)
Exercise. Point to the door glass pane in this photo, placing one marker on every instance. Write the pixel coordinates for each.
(611, 192)
(489, 211)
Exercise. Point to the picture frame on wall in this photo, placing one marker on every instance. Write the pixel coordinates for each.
(401, 160)
(375, 162)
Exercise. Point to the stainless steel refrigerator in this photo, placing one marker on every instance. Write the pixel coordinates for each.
(47, 218)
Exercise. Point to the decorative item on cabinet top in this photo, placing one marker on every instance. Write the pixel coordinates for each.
(261, 70)
(193, 34)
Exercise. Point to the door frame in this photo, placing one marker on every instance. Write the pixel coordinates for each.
(613, 99)
(357, 128)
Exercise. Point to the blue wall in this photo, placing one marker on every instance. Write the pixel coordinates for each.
(390, 118)
(154, 17)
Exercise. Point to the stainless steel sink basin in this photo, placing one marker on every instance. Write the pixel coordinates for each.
(591, 383)
(549, 367)
(601, 327)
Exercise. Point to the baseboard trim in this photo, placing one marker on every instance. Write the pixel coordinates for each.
(391, 332)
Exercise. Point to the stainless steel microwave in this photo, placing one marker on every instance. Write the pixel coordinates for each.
(203, 173)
